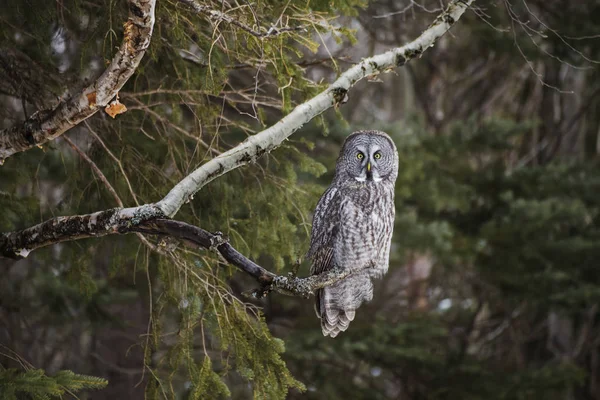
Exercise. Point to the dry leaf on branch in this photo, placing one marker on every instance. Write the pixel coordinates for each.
(115, 108)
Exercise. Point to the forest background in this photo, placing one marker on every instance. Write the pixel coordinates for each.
(493, 287)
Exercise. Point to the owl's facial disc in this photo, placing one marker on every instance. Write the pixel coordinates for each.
(368, 157)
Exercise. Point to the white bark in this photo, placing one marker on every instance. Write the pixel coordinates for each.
(271, 138)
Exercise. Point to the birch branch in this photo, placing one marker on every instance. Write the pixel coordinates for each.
(271, 138)
(46, 125)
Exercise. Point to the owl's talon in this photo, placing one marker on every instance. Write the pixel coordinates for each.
(261, 292)
(257, 293)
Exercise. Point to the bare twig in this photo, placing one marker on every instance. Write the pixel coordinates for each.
(412, 4)
(96, 170)
(221, 16)
(115, 159)
(107, 184)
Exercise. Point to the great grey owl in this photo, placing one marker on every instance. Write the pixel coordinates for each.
(352, 226)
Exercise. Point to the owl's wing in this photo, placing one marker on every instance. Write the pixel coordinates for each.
(385, 238)
(324, 231)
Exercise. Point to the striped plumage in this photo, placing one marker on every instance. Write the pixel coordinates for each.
(352, 226)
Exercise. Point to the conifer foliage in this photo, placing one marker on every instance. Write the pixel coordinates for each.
(35, 384)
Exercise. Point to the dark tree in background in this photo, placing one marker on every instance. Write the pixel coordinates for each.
(493, 286)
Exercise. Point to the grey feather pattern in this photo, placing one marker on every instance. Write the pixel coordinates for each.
(353, 225)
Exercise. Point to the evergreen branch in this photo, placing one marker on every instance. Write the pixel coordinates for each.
(34, 383)
(221, 16)
(46, 125)
(271, 138)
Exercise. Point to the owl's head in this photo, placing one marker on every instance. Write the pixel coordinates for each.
(368, 156)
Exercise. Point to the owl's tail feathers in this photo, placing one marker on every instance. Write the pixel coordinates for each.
(336, 321)
(333, 319)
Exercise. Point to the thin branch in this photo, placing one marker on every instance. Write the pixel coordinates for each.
(290, 285)
(410, 6)
(46, 125)
(558, 35)
(271, 138)
(147, 220)
(96, 170)
(115, 159)
(221, 16)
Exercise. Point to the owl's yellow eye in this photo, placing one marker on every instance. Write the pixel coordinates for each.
(377, 155)
(360, 155)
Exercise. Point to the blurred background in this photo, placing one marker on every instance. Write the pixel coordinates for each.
(493, 288)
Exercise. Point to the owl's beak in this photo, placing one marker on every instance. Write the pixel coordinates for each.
(369, 172)
(369, 166)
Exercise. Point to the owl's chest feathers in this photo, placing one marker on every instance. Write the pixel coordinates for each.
(370, 196)
(364, 226)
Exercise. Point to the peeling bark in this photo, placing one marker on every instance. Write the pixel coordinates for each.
(46, 125)
(271, 138)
